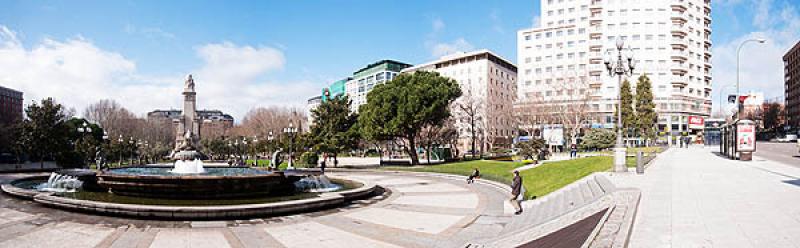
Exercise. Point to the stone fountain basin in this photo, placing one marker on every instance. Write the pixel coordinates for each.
(323, 201)
(217, 183)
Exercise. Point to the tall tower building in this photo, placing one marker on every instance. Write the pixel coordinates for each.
(561, 61)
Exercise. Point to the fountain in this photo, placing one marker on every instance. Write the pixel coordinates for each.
(60, 183)
(191, 189)
(193, 167)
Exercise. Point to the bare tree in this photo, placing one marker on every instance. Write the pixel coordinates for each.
(470, 114)
(260, 121)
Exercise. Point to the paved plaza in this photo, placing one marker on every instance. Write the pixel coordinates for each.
(418, 211)
(694, 198)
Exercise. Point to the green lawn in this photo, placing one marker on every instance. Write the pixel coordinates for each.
(550, 177)
(538, 181)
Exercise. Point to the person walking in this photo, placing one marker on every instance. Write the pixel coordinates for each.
(517, 192)
(322, 164)
(573, 151)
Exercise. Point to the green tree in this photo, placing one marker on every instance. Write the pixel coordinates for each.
(772, 116)
(402, 107)
(44, 133)
(628, 116)
(334, 129)
(84, 144)
(529, 149)
(598, 138)
(645, 109)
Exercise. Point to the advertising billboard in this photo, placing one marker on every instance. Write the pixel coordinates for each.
(696, 122)
(745, 136)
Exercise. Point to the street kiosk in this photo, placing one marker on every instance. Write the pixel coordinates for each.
(738, 140)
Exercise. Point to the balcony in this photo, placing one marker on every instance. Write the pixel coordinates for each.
(679, 80)
(681, 55)
(679, 43)
(596, 4)
(679, 68)
(678, 30)
(678, 5)
(679, 16)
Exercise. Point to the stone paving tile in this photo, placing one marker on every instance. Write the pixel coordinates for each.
(134, 238)
(401, 180)
(433, 187)
(9, 215)
(190, 238)
(414, 221)
(449, 200)
(255, 237)
(313, 234)
(62, 235)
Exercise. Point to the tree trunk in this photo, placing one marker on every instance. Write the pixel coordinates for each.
(411, 149)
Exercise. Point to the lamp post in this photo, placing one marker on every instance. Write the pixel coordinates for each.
(121, 146)
(738, 50)
(85, 129)
(131, 142)
(139, 154)
(254, 151)
(620, 67)
(290, 131)
(269, 152)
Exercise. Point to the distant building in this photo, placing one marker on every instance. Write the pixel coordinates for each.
(214, 122)
(490, 82)
(337, 88)
(366, 78)
(10, 105)
(313, 103)
(791, 70)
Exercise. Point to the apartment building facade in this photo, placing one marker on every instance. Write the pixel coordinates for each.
(488, 84)
(561, 61)
(791, 71)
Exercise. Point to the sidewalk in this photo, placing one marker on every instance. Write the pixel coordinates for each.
(694, 198)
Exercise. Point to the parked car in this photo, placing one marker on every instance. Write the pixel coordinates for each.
(788, 138)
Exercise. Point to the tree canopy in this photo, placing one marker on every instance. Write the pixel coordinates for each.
(646, 116)
(334, 129)
(401, 107)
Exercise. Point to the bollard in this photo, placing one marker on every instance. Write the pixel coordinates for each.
(640, 162)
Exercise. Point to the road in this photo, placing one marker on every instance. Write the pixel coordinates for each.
(785, 153)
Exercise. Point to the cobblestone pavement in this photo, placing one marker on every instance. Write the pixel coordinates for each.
(694, 198)
(416, 211)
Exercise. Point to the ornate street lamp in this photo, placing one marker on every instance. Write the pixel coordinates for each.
(738, 50)
(131, 142)
(290, 131)
(121, 143)
(622, 66)
(83, 130)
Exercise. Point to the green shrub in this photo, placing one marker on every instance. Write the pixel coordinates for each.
(308, 159)
(598, 139)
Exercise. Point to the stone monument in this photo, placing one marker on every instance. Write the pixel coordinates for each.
(187, 127)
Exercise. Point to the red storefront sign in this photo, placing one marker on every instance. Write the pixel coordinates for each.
(696, 122)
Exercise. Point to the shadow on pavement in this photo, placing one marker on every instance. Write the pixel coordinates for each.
(795, 182)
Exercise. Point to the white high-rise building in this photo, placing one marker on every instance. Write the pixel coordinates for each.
(562, 59)
(488, 85)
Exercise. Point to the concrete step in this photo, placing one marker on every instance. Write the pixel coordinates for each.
(597, 191)
(606, 184)
(576, 198)
(586, 192)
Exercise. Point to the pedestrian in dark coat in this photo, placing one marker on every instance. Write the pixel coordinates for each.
(517, 193)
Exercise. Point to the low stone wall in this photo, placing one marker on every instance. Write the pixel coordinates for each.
(325, 200)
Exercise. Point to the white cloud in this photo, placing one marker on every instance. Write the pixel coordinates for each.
(76, 73)
(761, 65)
(458, 45)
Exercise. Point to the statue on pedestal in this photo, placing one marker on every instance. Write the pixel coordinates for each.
(187, 128)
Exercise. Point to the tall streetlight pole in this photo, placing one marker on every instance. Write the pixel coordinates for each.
(132, 143)
(290, 131)
(738, 50)
(121, 142)
(620, 67)
(83, 131)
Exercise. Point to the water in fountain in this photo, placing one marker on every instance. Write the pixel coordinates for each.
(188, 167)
(318, 184)
(60, 183)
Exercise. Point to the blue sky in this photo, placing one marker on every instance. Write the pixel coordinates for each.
(261, 53)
